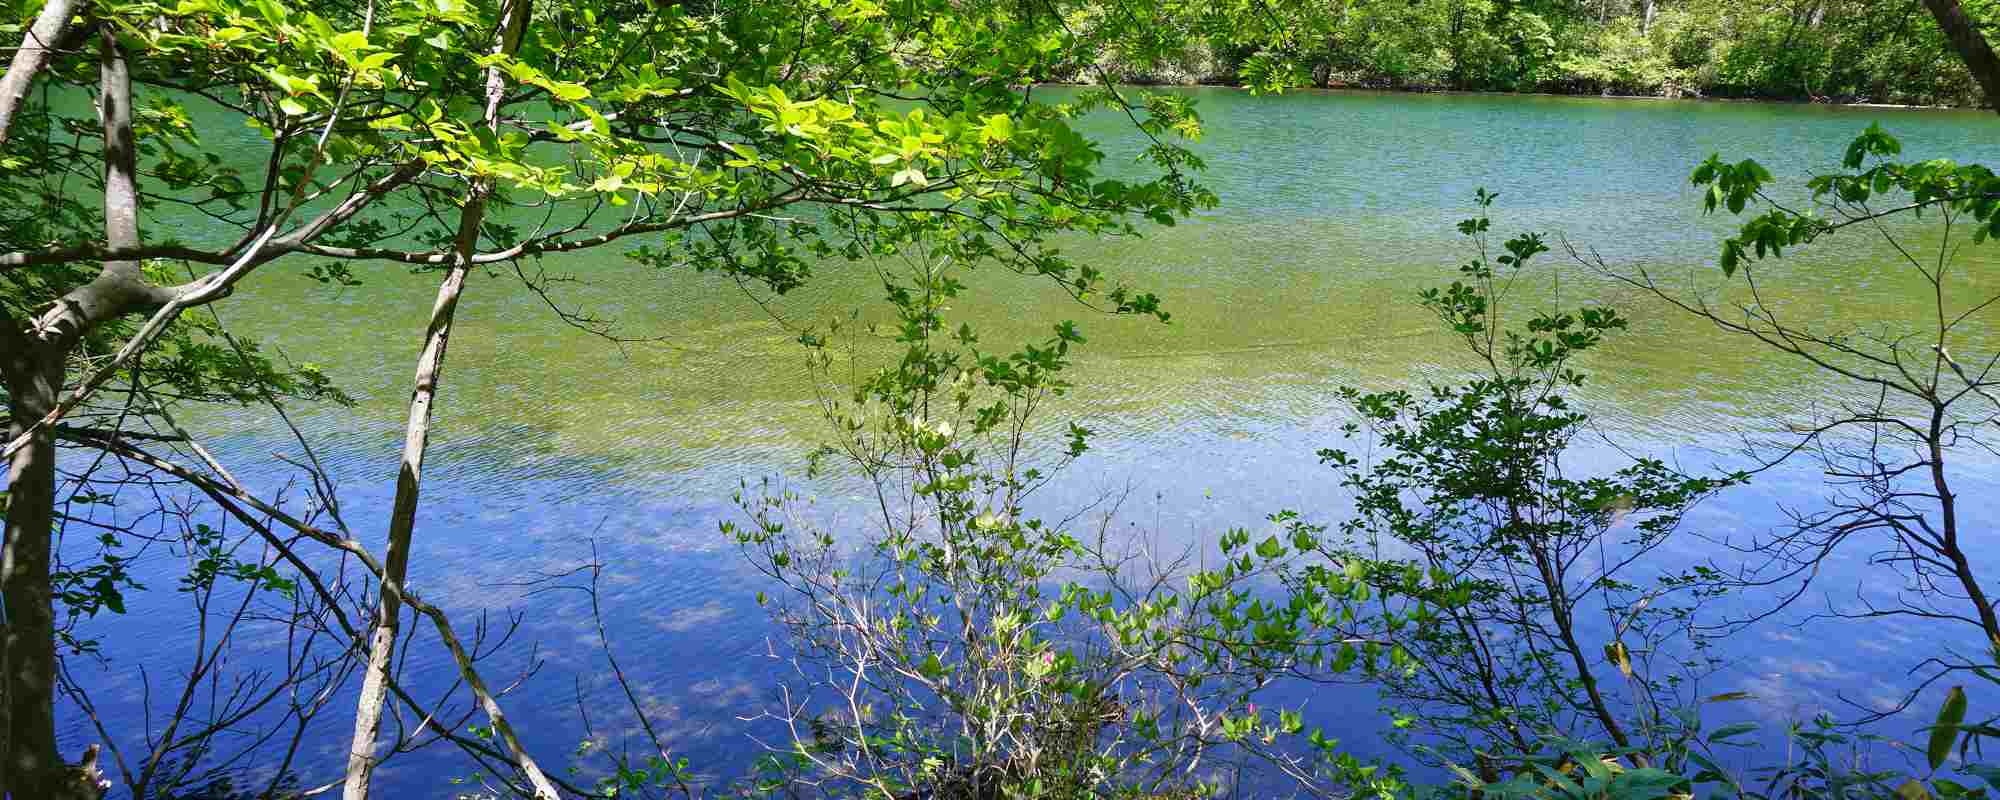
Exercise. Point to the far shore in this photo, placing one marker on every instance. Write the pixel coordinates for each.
(1366, 89)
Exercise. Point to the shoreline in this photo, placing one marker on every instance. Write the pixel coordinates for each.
(1361, 88)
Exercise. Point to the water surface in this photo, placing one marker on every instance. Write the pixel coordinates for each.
(1336, 209)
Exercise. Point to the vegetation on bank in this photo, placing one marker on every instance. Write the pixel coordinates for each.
(1516, 614)
(1518, 617)
(1841, 51)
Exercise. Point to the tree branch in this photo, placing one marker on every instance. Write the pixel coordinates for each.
(36, 47)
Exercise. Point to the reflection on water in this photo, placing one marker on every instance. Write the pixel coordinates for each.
(1336, 208)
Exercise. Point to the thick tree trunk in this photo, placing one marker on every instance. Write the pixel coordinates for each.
(29, 763)
(34, 358)
(1971, 45)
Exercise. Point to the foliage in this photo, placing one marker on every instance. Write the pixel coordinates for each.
(1895, 411)
(166, 151)
(1619, 59)
(964, 647)
(1957, 191)
(1900, 413)
(1489, 557)
(1466, 582)
(1885, 51)
(757, 109)
(1816, 760)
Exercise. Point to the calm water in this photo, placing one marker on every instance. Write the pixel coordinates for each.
(1337, 207)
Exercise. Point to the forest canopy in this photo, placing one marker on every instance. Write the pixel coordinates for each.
(1879, 51)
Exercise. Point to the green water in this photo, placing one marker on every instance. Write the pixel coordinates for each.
(1336, 208)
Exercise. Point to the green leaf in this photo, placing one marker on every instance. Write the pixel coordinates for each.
(350, 42)
(113, 599)
(272, 11)
(998, 128)
(568, 92)
(1944, 732)
(1991, 775)
(1645, 784)
(1729, 731)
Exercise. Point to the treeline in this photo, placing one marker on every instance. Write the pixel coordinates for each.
(1848, 51)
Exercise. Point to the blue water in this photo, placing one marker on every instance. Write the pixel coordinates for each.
(1336, 207)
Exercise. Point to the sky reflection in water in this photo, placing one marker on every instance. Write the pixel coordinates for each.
(1336, 209)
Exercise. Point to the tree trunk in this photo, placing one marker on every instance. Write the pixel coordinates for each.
(34, 360)
(402, 522)
(1971, 45)
(29, 763)
(416, 439)
(29, 59)
(1456, 46)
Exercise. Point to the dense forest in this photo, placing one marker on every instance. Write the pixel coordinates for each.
(1843, 51)
(665, 239)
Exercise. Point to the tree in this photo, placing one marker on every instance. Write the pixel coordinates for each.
(1971, 45)
(963, 647)
(466, 137)
(1504, 604)
(1907, 402)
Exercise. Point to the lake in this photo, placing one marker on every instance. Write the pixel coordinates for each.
(1337, 208)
